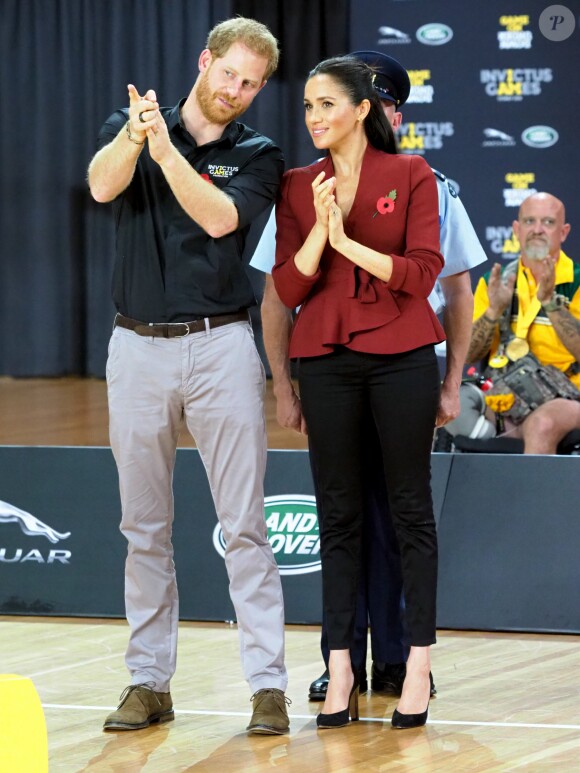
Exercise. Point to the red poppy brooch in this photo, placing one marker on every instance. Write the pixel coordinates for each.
(386, 204)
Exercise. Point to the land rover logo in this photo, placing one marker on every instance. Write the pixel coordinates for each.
(292, 531)
(540, 136)
(434, 34)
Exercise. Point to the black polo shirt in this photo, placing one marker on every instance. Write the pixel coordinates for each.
(168, 269)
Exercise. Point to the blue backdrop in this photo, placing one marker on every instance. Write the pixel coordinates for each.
(493, 104)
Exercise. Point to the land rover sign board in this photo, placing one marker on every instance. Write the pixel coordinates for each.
(292, 531)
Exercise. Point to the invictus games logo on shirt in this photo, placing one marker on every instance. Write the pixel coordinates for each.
(292, 524)
(512, 85)
(514, 35)
(420, 91)
(502, 241)
(520, 190)
(421, 136)
(494, 138)
(540, 136)
(219, 170)
(434, 34)
(392, 36)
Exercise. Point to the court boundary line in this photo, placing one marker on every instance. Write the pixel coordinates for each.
(209, 712)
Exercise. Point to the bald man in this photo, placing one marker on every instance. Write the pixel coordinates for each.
(533, 305)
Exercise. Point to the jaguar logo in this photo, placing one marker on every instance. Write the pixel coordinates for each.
(29, 523)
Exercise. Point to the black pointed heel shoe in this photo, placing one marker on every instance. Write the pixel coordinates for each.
(407, 721)
(341, 718)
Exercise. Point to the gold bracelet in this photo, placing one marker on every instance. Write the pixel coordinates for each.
(128, 128)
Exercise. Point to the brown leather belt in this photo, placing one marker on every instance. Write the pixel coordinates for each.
(177, 329)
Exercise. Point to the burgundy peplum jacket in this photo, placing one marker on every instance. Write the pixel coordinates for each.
(342, 303)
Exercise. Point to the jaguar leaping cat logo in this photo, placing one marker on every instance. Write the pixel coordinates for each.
(393, 33)
(29, 523)
(495, 134)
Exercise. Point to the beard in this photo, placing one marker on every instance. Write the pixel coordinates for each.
(212, 109)
(537, 250)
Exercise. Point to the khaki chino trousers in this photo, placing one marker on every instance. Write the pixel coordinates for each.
(214, 381)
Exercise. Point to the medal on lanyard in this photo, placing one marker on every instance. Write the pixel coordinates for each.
(528, 307)
(517, 348)
(499, 360)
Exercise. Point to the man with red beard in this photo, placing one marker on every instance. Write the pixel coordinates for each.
(186, 183)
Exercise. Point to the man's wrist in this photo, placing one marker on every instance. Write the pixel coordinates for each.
(172, 159)
(282, 387)
(132, 138)
(490, 317)
(451, 381)
(555, 302)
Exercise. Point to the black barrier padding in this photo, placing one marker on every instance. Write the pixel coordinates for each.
(508, 537)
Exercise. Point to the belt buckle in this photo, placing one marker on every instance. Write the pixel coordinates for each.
(187, 330)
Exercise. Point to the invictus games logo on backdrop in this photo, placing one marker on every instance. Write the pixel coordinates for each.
(292, 523)
(540, 137)
(514, 35)
(512, 85)
(520, 188)
(494, 138)
(421, 136)
(31, 526)
(421, 92)
(434, 34)
(392, 36)
(502, 241)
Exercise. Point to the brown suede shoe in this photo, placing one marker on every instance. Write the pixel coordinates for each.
(270, 716)
(140, 707)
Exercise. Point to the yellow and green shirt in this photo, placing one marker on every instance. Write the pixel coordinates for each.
(542, 338)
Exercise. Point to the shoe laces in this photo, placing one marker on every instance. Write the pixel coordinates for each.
(276, 693)
(132, 687)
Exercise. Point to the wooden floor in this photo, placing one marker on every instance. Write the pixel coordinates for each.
(73, 412)
(505, 702)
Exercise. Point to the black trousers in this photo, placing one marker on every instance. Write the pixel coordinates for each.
(380, 601)
(402, 392)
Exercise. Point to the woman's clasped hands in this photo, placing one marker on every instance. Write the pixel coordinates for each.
(328, 213)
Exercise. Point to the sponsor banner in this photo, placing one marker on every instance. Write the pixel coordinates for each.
(502, 242)
(434, 34)
(421, 90)
(431, 34)
(514, 33)
(391, 36)
(495, 138)
(64, 554)
(540, 137)
(521, 183)
(292, 523)
(424, 136)
(504, 82)
(513, 84)
(31, 526)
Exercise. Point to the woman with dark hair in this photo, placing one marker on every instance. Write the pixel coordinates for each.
(358, 250)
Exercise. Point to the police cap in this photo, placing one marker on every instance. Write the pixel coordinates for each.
(391, 81)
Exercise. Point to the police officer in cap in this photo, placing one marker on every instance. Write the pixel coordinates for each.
(380, 600)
